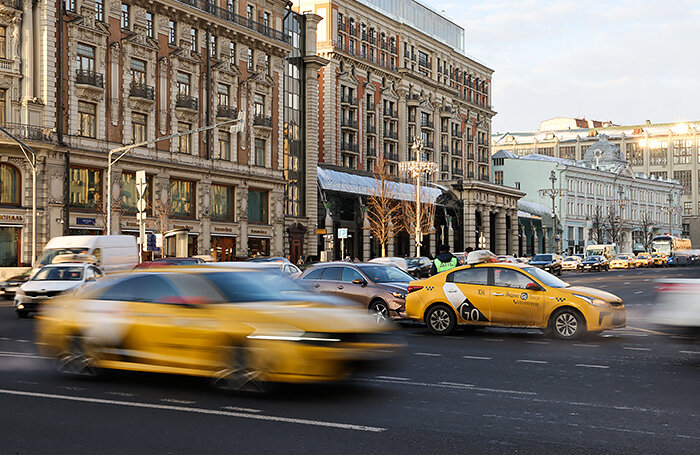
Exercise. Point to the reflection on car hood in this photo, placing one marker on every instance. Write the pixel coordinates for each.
(50, 285)
(597, 293)
(390, 287)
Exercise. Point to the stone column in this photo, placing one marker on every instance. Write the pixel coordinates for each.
(535, 242)
(501, 247)
(450, 235)
(27, 49)
(486, 226)
(412, 246)
(514, 230)
(469, 224)
(329, 230)
(390, 244)
(433, 246)
(242, 247)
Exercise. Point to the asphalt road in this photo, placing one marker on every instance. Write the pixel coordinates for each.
(632, 390)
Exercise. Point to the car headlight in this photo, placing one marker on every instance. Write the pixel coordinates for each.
(593, 301)
(19, 292)
(399, 295)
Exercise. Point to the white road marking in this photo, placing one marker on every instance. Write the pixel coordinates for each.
(22, 355)
(235, 408)
(121, 394)
(638, 292)
(460, 384)
(23, 341)
(492, 339)
(537, 342)
(585, 345)
(689, 352)
(428, 354)
(531, 361)
(585, 365)
(5, 339)
(603, 286)
(632, 348)
(393, 378)
(165, 407)
(173, 400)
(451, 386)
(626, 282)
(475, 357)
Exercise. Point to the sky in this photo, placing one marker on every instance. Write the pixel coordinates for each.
(624, 61)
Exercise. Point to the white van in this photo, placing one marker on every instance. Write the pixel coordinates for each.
(114, 253)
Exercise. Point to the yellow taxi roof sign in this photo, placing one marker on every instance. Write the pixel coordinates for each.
(481, 257)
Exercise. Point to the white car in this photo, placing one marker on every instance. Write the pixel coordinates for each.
(53, 280)
(677, 305)
(571, 263)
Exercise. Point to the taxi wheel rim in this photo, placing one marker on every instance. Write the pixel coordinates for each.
(239, 375)
(440, 320)
(380, 313)
(566, 324)
(77, 361)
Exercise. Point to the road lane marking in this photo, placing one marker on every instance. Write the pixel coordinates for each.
(584, 345)
(121, 394)
(5, 339)
(450, 386)
(689, 352)
(492, 339)
(631, 348)
(428, 354)
(22, 355)
(173, 400)
(204, 411)
(537, 342)
(475, 357)
(638, 292)
(532, 361)
(460, 384)
(647, 330)
(23, 341)
(236, 408)
(393, 378)
(585, 365)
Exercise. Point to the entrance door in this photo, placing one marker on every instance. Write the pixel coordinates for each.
(295, 250)
(468, 292)
(223, 249)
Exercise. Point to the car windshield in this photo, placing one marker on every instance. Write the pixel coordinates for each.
(59, 274)
(546, 278)
(569, 259)
(385, 274)
(594, 258)
(51, 253)
(249, 286)
(542, 257)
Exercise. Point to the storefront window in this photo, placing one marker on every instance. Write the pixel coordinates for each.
(257, 206)
(129, 194)
(9, 246)
(10, 184)
(85, 188)
(222, 202)
(182, 198)
(223, 249)
(258, 247)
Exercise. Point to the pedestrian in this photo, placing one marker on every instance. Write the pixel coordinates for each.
(467, 250)
(300, 262)
(444, 261)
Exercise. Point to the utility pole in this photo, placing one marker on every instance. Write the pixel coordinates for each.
(553, 193)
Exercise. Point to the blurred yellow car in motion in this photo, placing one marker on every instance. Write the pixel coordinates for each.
(622, 261)
(511, 295)
(643, 260)
(660, 260)
(241, 328)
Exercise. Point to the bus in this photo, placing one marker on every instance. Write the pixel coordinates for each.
(678, 250)
(607, 251)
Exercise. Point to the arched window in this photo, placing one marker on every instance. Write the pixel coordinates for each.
(10, 185)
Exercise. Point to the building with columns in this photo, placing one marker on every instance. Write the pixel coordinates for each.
(599, 199)
(81, 77)
(398, 72)
(659, 150)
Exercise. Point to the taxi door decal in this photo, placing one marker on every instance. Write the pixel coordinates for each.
(461, 303)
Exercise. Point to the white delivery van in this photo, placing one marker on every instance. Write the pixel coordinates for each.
(114, 253)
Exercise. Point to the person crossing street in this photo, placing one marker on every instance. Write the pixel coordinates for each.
(443, 261)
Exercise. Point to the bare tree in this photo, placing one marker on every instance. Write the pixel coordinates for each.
(598, 226)
(381, 204)
(408, 216)
(161, 212)
(614, 225)
(101, 206)
(647, 225)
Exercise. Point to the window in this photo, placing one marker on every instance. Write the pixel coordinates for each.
(3, 105)
(267, 64)
(144, 288)
(183, 84)
(182, 198)
(659, 175)
(657, 152)
(349, 275)
(231, 5)
(635, 153)
(125, 20)
(260, 152)
(138, 71)
(10, 185)
(568, 152)
(87, 119)
(70, 5)
(172, 33)
(86, 57)
(3, 42)
(85, 188)
(510, 278)
(250, 59)
(184, 142)
(149, 24)
(682, 151)
(193, 39)
(684, 178)
(222, 95)
(498, 177)
(314, 274)
(99, 10)
(129, 194)
(331, 273)
(250, 12)
(212, 46)
(257, 206)
(687, 208)
(222, 202)
(232, 51)
(477, 276)
(139, 126)
(259, 105)
(224, 145)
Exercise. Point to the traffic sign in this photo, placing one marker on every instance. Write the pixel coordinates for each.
(141, 205)
(141, 182)
(342, 233)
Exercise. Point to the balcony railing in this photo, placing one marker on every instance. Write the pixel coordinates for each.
(371, 129)
(444, 167)
(187, 102)
(383, 45)
(457, 171)
(348, 123)
(391, 156)
(226, 111)
(470, 155)
(457, 152)
(87, 77)
(364, 36)
(348, 147)
(446, 110)
(348, 99)
(426, 123)
(456, 133)
(28, 132)
(429, 145)
(391, 134)
(16, 4)
(444, 129)
(372, 152)
(393, 113)
(262, 120)
(393, 50)
(484, 177)
(445, 148)
(424, 63)
(144, 91)
(225, 14)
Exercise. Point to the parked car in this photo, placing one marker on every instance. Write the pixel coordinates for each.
(643, 260)
(381, 288)
(548, 262)
(396, 261)
(165, 262)
(660, 260)
(507, 258)
(9, 287)
(113, 253)
(595, 262)
(419, 267)
(622, 261)
(571, 263)
(270, 259)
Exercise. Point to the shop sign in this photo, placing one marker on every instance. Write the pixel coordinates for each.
(10, 217)
(259, 231)
(181, 226)
(223, 229)
(321, 232)
(85, 221)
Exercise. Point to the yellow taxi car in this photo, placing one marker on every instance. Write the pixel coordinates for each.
(660, 260)
(622, 261)
(511, 295)
(241, 328)
(643, 260)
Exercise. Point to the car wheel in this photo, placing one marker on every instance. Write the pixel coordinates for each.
(380, 311)
(239, 372)
(22, 314)
(440, 320)
(78, 360)
(567, 324)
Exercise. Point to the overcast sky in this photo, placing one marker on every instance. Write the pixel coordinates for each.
(625, 61)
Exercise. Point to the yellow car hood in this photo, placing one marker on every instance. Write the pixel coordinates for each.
(596, 293)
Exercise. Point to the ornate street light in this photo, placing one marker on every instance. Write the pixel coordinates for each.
(553, 193)
(416, 169)
(670, 208)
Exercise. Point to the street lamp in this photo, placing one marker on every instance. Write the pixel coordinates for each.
(416, 169)
(236, 126)
(553, 193)
(670, 209)
(622, 201)
(30, 156)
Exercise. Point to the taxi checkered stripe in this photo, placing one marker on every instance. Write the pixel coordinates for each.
(560, 299)
(430, 288)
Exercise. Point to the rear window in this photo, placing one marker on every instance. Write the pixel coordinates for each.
(314, 274)
(542, 257)
(470, 276)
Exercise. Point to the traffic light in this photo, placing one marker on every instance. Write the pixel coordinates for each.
(151, 242)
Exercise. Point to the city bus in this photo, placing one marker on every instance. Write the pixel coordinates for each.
(607, 251)
(677, 250)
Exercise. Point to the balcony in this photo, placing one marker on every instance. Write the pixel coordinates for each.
(138, 90)
(391, 156)
(187, 102)
(391, 135)
(446, 111)
(457, 152)
(429, 145)
(457, 171)
(87, 77)
(445, 148)
(348, 147)
(484, 177)
(224, 111)
(371, 129)
(16, 4)
(457, 133)
(364, 36)
(444, 167)
(426, 123)
(444, 128)
(371, 152)
(209, 7)
(383, 45)
(393, 113)
(470, 155)
(393, 49)
(264, 121)
(353, 30)
(348, 99)
(28, 132)
(424, 63)
(348, 123)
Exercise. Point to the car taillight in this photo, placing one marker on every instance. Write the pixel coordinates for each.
(414, 288)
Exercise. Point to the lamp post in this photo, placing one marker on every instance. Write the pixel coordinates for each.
(621, 202)
(553, 193)
(416, 169)
(30, 156)
(670, 209)
(235, 124)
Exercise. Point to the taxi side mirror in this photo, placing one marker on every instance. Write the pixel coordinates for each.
(533, 287)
